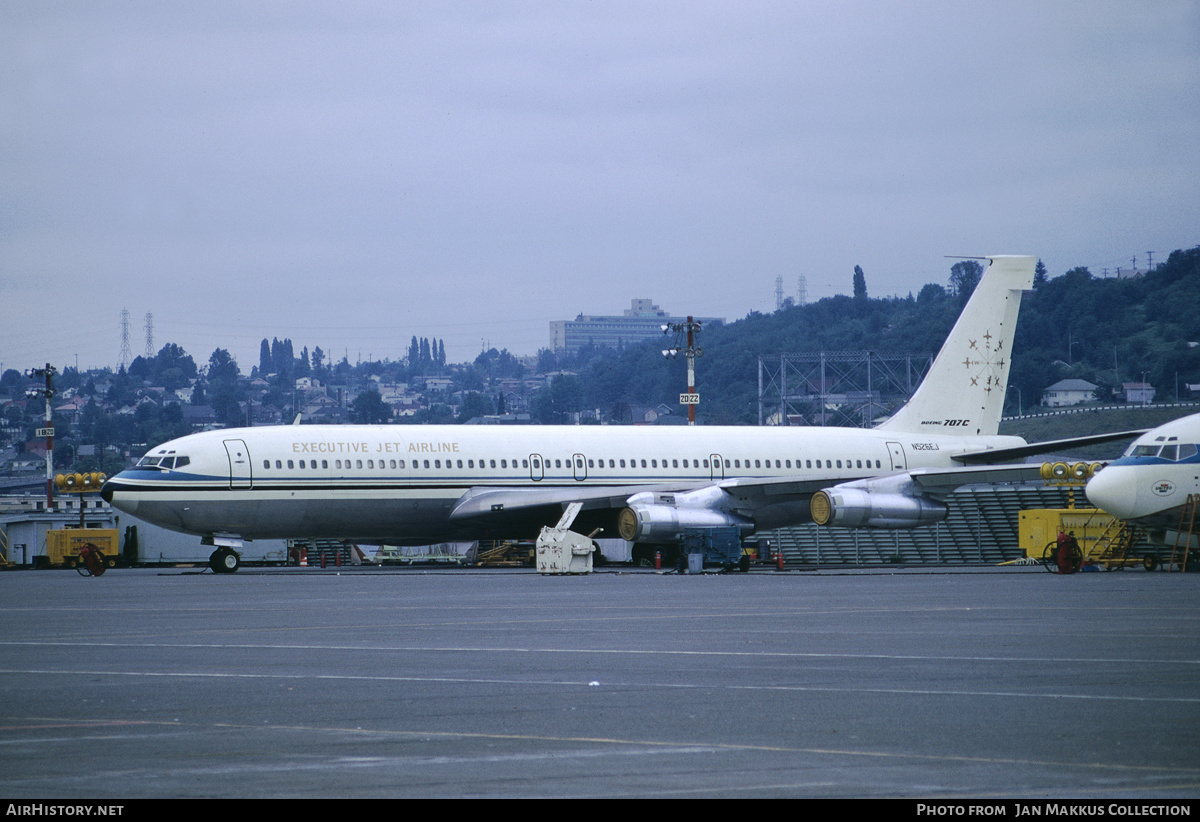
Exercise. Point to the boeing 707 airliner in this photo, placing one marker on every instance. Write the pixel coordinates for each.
(420, 484)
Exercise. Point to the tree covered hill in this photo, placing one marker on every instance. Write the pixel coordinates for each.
(1107, 331)
(1103, 330)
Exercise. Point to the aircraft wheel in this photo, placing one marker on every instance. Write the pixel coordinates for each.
(224, 561)
(642, 556)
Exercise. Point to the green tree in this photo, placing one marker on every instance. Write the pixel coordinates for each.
(860, 284)
(223, 368)
(264, 359)
(555, 403)
(368, 408)
(964, 276)
(474, 405)
(1039, 274)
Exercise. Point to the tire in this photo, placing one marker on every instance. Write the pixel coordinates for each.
(1050, 558)
(224, 561)
(1150, 562)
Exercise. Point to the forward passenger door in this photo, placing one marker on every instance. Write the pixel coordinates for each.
(239, 463)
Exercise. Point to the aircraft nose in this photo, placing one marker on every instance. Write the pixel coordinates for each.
(1112, 491)
(110, 492)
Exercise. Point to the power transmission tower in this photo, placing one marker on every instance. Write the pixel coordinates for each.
(126, 356)
(149, 335)
(802, 291)
(779, 292)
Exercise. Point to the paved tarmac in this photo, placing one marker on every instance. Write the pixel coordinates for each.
(932, 683)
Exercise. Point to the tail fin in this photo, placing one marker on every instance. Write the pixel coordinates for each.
(963, 393)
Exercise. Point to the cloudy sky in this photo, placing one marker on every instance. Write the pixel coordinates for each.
(351, 174)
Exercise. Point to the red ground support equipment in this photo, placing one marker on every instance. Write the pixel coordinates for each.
(91, 560)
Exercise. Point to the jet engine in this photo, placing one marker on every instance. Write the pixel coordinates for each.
(888, 503)
(661, 518)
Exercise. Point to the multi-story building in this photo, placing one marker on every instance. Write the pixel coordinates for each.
(643, 320)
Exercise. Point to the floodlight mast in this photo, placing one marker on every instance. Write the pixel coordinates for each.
(691, 399)
(48, 431)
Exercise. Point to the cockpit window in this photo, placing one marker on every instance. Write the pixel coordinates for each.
(163, 462)
(1171, 451)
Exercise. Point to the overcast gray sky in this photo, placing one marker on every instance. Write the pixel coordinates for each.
(351, 174)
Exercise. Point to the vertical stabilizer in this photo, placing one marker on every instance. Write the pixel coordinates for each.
(963, 393)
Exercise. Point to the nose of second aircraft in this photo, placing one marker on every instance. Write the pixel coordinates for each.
(1112, 490)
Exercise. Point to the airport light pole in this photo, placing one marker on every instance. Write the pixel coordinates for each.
(691, 399)
(46, 373)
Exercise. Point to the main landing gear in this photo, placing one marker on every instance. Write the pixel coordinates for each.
(224, 561)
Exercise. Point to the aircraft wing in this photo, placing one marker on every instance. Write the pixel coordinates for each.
(927, 480)
(1050, 446)
(486, 501)
(944, 481)
(765, 502)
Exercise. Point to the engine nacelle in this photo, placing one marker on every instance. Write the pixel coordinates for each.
(848, 507)
(661, 524)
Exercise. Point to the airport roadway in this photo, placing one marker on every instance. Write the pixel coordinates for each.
(933, 683)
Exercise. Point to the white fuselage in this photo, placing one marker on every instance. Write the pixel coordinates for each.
(400, 483)
(1152, 481)
(418, 484)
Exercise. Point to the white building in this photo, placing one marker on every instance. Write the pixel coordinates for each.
(1068, 392)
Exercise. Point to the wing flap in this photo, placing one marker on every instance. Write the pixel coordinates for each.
(945, 480)
(484, 501)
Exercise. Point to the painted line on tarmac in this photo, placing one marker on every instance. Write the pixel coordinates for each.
(657, 652)
(610, 684)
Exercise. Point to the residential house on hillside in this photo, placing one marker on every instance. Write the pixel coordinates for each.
(324, 409)
(1068, 392)
(1137, 393)
(199, 416)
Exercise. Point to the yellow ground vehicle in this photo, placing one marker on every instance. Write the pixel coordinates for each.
(62, 547)
(1102, 538)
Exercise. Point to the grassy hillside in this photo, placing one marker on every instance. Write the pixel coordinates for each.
(1085, 421)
